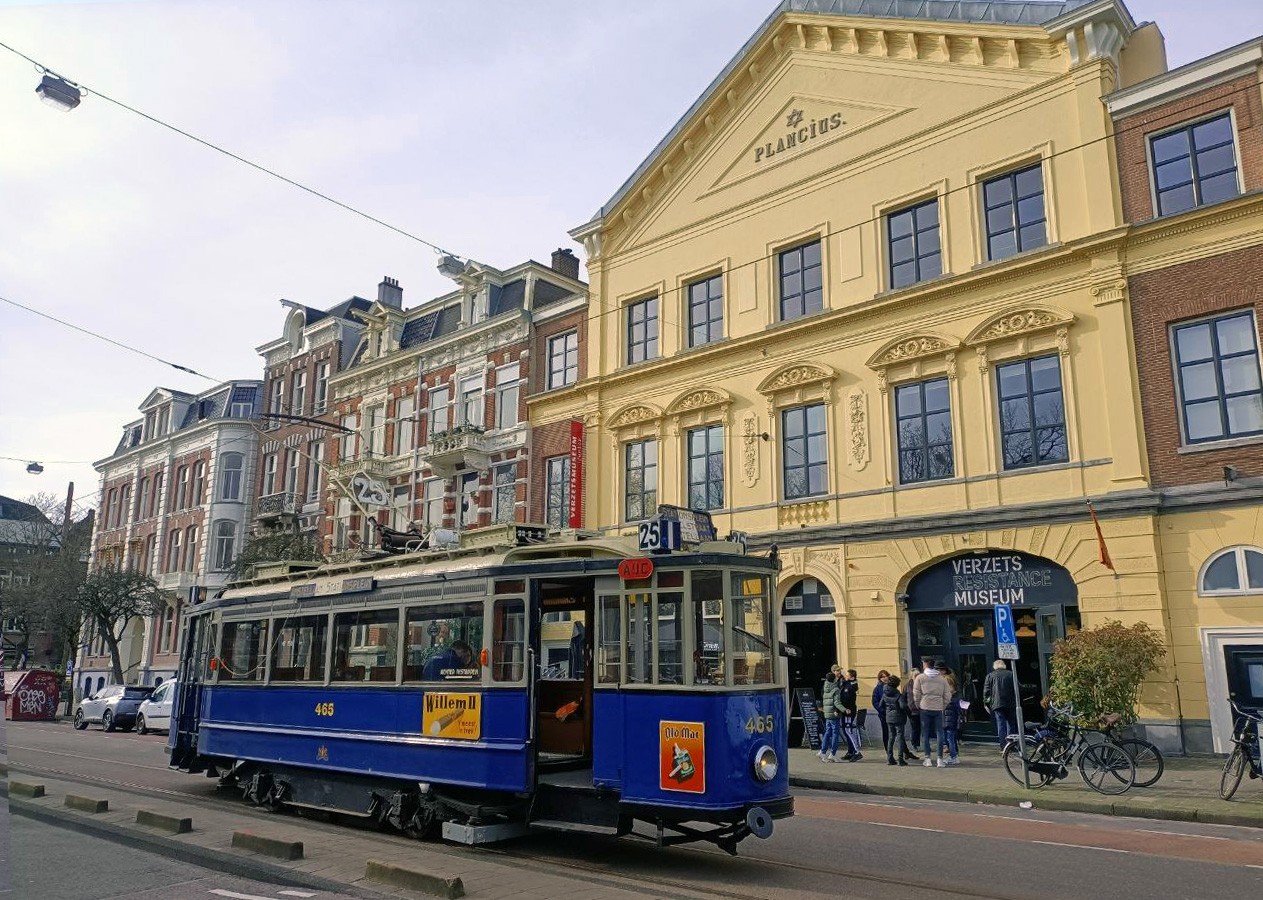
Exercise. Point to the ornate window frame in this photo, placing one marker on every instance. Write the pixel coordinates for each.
(1244, 589)
(1018, 333)
(911, 357)
(633, 422)
(803, 384)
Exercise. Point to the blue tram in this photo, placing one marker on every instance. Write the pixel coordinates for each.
(565, 684)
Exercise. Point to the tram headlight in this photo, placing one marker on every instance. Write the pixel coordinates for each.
(766, 765)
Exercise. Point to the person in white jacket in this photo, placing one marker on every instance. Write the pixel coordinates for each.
(932, 694)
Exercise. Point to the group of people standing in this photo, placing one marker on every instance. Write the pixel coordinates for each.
(925, 704)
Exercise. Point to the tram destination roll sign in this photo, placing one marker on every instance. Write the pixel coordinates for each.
(994, 578)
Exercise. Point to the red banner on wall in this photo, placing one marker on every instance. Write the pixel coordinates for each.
(576, 474)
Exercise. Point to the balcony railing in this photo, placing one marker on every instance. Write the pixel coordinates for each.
(462, 447)
(273, 506)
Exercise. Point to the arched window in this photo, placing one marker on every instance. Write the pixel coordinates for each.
(1237, 570)
(808, 597)
(190, 549)
(230, 476)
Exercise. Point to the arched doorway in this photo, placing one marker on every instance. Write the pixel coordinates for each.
(807, 614)
(951, 618)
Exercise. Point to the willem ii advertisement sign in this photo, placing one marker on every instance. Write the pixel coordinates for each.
(989, 579)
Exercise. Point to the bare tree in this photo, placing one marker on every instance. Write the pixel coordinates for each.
(110, 598)
(46, 563)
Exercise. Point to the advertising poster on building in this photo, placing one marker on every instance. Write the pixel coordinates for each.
(575, 513)
(682, 756)
(448, 715)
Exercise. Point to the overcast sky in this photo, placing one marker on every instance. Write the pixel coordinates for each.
(490, 128)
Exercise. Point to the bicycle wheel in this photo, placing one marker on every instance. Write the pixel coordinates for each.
(1036, 751)
(1234, 768)
(1148, 761)
(1107, 769)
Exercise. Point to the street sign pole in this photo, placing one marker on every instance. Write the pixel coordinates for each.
(1006, 642)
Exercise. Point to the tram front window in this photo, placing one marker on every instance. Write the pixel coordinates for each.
(751, 630)
(709, 665)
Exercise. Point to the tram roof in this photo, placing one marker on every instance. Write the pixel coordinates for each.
(328, 579)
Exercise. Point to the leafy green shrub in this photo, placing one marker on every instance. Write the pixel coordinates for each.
(1100, 670)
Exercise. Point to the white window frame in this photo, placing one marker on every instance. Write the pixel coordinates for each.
(230, 476)
(405, 424)
(440, 406)
(433, 491)
(225, 544)
(269, 474)
(471, 399)
(1242, 573)
(321, 399)
(349, 448)
(507, 393)
(291, 472)
(315, 469)
(560, 346)
(298, 394)
(375, 430)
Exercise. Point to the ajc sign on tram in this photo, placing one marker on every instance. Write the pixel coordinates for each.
(635, 569)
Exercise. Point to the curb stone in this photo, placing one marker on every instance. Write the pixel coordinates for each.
(216, 860)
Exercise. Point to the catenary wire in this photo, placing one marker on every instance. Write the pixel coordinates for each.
(241, 159)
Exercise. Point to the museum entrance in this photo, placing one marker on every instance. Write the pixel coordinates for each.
(951, 618)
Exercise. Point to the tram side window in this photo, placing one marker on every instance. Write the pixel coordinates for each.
(751, 630)
(640, 638)
(709, 661)
(243, 650)
(670, 639)
(444, 642)
(299, 651)
(365, 645)
(609, 653)
(508, 636)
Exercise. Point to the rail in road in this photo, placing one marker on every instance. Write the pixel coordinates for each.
(834, 846)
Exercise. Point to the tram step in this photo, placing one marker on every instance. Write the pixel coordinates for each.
(583, 827)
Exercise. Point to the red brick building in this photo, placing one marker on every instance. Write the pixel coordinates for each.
(1190, 161)
(433, 405)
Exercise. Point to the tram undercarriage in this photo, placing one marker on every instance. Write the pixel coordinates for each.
(474, 816)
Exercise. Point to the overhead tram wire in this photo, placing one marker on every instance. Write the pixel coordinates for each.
(603, 305)
(241, 159)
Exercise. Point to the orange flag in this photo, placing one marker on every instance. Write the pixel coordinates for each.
(1100, 540)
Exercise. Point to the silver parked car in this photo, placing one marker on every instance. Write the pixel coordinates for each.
(155, 710)
(114, 706)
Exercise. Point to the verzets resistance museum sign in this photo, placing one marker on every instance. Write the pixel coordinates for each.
(984, 580)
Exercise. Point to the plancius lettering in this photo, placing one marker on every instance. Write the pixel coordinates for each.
(799, 133)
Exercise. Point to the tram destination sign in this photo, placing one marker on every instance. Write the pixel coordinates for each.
(993, 578)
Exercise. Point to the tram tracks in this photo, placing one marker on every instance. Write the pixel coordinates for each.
(590, 867)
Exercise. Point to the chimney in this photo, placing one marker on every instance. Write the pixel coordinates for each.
(389, 293)
(565, 262)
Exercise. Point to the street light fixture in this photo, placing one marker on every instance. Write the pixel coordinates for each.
(58, 92)
(34, 468)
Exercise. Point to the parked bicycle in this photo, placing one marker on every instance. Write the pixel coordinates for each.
(1103, 765)
(1148, 758)
(1245, 750)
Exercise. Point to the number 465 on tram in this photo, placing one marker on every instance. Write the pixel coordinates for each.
(566, 684)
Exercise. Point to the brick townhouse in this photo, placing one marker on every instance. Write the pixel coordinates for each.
(314, 346)
(174, 499)
(433, 403)
(1190, 162)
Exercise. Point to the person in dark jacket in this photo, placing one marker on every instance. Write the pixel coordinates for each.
(850, 686)
(831, 709)
(999, 696)
(894, 709)
(879, 689)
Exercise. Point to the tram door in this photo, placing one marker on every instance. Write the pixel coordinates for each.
(562, 610)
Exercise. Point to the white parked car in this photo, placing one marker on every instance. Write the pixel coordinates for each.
(155, 713)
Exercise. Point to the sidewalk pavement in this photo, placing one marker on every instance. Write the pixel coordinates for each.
(335, 857)
(1188, 790)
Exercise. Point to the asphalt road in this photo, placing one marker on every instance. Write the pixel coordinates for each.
(837, 845)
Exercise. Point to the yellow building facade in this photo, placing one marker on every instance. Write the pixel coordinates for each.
(867, 301)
